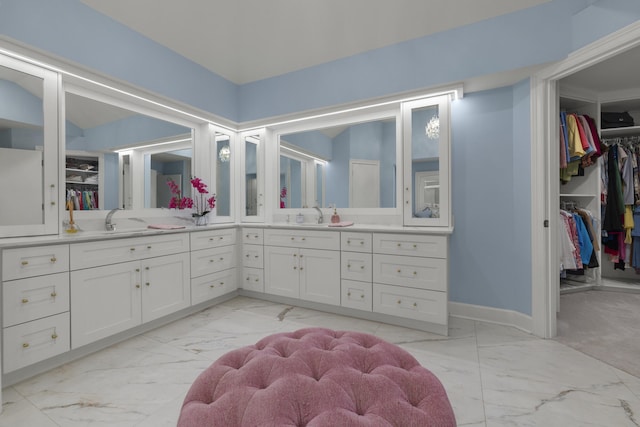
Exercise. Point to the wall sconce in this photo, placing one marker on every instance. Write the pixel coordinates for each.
(433, 128)
(224, 154)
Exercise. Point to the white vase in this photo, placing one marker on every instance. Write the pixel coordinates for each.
(201, 220)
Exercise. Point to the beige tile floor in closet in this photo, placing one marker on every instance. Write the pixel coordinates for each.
(494, 375)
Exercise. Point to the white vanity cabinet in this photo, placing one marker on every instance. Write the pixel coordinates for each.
(303, 264)
(112, 298)
(410, 277)
(35, 304)
(356, 270)
(213, 264)
(252, 260)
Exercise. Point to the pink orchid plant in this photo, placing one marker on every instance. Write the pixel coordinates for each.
(200, 202)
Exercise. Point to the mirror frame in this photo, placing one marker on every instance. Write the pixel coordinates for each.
(260, 175)
(386, 112)
(138, 105)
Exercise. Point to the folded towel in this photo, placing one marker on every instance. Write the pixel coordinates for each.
(341, 224)
(165, 226)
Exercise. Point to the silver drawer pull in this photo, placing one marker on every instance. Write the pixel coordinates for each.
(212, 286)
(220, 238)
(147, 283)
(212, 260)
(301, 268)
(211, 239)
(348, 242)
(54, 294)
(221, 259)
(221, 283)
(53, 259)
(362, 296)
(25, 345)
(256, 256)
(415, 246)
(247, 236)
(295, 268)
(132, 249)
(362, 243)
(257, 280)
(362, 267)
(137, 270)
(25, 263)
(348, 294)
(301, 255)
(399, 244)
(146, 268)
(247, 255)
(399, 302)
(399, 270)
(54, 336)
(292, 238)
(248, 278)
(304, 238)
(25, 300)
(415, 272)
(348, 265)
(148, 247)
(138, 285)
(415, 304)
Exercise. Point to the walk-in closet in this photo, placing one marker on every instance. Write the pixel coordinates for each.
(599, 210)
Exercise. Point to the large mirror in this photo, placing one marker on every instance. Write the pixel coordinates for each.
(120, 158)
(223, 161)
(253, 176)
(28, 149)
(347, 166)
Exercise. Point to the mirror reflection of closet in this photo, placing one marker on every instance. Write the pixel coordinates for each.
(105, 129)
(28, 149)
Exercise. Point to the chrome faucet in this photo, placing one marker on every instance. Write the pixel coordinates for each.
(107, 222)
(321, 217)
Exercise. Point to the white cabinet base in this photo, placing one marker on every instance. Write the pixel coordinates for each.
(418, 304)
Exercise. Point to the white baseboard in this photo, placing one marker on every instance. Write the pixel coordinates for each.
(491, 315)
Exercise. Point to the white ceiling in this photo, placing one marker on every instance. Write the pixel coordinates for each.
(249, 40)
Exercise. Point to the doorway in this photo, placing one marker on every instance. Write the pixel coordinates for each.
(545, 169)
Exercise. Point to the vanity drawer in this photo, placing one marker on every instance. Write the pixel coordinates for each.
(213, 285)
(253, 279)
(35, 261)
(253, 236)
(252, 256)
(329, 240)
(418, 304)
(355, 242)
(421, 273)
(411, 245)
(209, 261)
(32, 342)
(356, 266)
(213, 238)
(356, 295)
(94, 254)
(35, 297)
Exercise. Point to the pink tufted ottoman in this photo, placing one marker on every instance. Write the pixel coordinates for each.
(317, 377)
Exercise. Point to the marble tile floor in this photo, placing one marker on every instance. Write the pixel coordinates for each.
(494, 375)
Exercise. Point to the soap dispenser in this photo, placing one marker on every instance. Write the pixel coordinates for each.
(335, 218)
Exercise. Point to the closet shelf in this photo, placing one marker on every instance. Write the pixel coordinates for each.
(613, 132)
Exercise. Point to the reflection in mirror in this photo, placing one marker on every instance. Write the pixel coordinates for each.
(21, 147)
(357, 164)
(425, 166)
(223, 174)
(100, 128)
(164, 166)
(251, 175)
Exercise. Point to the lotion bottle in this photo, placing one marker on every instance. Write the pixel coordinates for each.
(335, 218)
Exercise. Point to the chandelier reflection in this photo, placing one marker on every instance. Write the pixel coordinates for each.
(224, 154)
(433, 128)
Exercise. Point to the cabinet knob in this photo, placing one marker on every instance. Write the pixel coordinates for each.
(362, 243)
(54, 294)
(248, 279)
(399, 244)
(362, 267)
(295, 254)
(247, 255)
(148, 247)
(348, 242)
(257, 280)
(292, 238)
(304, 238)
(399, 302)
(247, 236)
(362, 296)
(211, 239)
(212, 260)
(348, 265)
(348, 294)
(415, 304)
(146, 268)
(256, 256)
(221, 283)
(295, 268)
(147, 283)
(221, 258)
(132, 249)
(137, 270)
(54, 336)
(415, 246)
(138, 285)
(25, 300)
(53, 259)
(301, 255)
(212, 286)
(415, 273)
(25, 345)
(53, 203)
(25, 263)
(399, 270)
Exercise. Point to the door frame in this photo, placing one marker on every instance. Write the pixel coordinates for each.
(545, 173)
(353, 164)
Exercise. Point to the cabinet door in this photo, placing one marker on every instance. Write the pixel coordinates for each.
(320, 276)
(166, 285)
(104, 301)
(281, 271)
